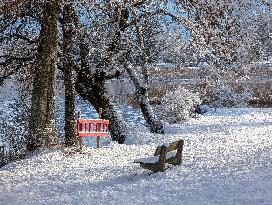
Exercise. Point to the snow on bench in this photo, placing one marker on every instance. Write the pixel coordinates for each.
(154, 159)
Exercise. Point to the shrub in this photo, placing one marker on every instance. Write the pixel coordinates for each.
(179, 104)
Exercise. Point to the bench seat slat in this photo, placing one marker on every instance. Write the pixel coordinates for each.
(154, 167)
(171, 160)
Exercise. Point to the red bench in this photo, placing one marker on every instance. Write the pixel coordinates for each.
(91, 128)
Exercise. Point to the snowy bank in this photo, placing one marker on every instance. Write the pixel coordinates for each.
(227, 160)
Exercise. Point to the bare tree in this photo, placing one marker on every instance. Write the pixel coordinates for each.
(142, 85)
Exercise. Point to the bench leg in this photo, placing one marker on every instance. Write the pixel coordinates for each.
(98, 142)
(179, 152)
(162, 159)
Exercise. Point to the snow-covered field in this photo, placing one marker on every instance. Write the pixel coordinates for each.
(227, 160)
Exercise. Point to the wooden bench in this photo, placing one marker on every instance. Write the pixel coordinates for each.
(163, 154)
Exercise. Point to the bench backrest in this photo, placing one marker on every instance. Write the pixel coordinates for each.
(92, 127)
(172, 146)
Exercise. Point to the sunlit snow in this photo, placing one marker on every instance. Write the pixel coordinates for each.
(227, 160)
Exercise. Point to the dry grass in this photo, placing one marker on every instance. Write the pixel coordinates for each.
(261, 92)
(262, 95)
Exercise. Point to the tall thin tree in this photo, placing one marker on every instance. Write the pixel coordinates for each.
(69, 33)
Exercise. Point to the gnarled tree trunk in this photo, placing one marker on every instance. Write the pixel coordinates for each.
(90, 85)
(96, 94)
(43, 121)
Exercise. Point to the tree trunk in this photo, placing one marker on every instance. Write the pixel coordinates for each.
(69, 73)
(90, 84)
(43, 124)
(154, 124)
(141, 92)
(141, 85)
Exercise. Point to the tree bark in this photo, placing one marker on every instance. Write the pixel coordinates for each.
(69, 73)
(43, 124)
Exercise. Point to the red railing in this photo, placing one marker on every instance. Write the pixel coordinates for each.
(91, 128)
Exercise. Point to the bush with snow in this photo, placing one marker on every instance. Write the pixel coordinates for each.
(229, 97)
(180, 104)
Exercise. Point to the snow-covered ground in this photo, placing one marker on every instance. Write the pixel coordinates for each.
(227, 160)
